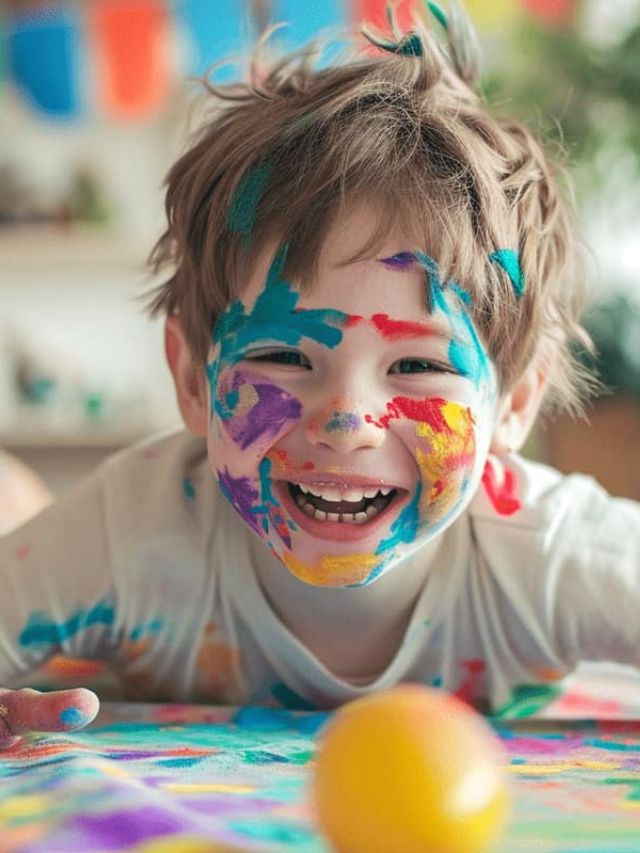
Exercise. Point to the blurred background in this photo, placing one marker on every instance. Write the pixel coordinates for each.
(96, 102)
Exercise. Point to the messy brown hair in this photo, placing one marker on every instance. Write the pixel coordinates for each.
(401, 125)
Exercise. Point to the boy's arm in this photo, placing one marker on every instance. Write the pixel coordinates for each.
(24, 711)
(56, 582)
(593, 580)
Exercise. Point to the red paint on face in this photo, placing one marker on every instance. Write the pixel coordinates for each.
(352, 320)
(429, 411)
(281, 456)
(394, 330)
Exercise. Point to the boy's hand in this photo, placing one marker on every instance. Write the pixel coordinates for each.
(23, 711)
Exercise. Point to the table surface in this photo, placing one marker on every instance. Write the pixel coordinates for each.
(147, 777)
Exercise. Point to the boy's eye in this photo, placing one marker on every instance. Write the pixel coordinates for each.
(417, 365)
(288, 357)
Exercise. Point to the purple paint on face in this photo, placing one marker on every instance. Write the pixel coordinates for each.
(241, 495)
(343, 422)
(401, 261)
(259, 409)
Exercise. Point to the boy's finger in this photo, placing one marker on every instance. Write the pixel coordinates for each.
(31, 711)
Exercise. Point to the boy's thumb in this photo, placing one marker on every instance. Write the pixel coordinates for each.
(29, 710)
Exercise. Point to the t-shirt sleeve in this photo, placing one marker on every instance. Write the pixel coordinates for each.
(57, 589)
(565, 568)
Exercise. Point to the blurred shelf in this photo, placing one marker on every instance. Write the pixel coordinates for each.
(48, 248)
(86, 439)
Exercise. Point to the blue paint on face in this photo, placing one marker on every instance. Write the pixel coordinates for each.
(405, 526)
(343, 422)
(273, 319)
(466, 352)
(41, 630)
(189, 489)
(266, 495)
(225, 406)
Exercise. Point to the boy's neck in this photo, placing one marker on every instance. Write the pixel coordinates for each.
(355, 632)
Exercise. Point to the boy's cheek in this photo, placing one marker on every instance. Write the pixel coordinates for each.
(444, 440)
(250, 414)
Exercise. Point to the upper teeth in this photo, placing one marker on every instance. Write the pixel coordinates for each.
(353, 493)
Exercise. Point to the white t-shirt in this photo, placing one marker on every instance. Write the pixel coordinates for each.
(147, 566)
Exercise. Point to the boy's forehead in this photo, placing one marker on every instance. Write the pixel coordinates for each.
(361, 285)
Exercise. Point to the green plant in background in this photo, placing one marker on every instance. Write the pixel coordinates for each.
(584, 95)
(584, 98)
(614, 325)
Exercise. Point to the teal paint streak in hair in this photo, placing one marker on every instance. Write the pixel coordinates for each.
(241, 217)
(509, 260)
(438, 14)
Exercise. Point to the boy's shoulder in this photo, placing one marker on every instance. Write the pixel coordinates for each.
(158, 483)
(172, 451)
(534, 497)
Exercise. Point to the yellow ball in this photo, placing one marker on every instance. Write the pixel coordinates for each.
(413, 770)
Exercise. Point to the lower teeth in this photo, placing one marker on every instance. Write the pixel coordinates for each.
(344, 517)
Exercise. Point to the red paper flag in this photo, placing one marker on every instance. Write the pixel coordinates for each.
(554, 12)
(374, 12)
(131, 48)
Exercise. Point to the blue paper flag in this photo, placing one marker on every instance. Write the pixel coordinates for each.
(45, 57)
(306, 21)
(3, 50)
(216, 30)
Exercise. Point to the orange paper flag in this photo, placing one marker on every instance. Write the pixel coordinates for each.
(131, 50)
(374, 12)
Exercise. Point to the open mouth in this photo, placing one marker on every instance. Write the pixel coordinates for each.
(355, 506)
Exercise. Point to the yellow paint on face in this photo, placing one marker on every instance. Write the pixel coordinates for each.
(450, 456)
(247, 399)
(333, 570)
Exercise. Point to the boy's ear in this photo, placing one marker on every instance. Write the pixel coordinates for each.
(517, 410)
(188, 377)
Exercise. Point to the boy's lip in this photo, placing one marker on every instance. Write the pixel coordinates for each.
(337, 530)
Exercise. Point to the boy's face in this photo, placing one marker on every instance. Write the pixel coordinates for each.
(349, 425)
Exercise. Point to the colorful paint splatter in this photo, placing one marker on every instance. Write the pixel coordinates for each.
(150, 778)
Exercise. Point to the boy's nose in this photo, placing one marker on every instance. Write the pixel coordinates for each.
(343, 430)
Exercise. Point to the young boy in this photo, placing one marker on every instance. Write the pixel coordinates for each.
(369, 303)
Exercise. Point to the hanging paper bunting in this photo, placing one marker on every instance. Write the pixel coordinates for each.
(215, 30)
(46, 60)
(374, 12)
(131, 55)
(557, 13)
(306, 21)
(3, 50)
